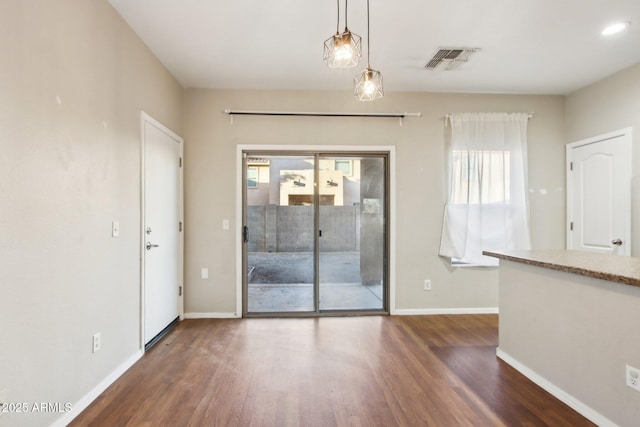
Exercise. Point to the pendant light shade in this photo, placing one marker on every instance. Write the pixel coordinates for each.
(367, 86)
(343, 50)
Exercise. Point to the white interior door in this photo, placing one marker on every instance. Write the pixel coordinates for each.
(599, 195)
(162, 237)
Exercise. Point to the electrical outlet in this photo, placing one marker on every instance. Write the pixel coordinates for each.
(96, 342)
(427, 285)
(633, 377)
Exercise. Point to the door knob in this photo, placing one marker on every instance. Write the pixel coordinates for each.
(616, 242)
(151, 245)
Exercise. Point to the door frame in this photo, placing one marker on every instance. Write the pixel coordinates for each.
(334, 149)
(626, 134)
(147, 119)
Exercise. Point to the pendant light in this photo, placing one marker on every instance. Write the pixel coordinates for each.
(343, 50)
(367, 86)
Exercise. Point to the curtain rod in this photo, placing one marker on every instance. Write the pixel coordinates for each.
(399, 116)
(318, 114)
(448, 116)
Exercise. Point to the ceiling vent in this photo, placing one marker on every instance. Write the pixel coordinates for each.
(450, 58)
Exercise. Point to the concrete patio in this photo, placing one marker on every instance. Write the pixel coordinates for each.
(283, 282)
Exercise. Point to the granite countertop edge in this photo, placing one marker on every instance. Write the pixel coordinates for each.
(613, 268)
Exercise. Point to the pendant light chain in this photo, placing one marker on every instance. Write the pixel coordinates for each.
(338, 21)
(368, 37)
(346, 14)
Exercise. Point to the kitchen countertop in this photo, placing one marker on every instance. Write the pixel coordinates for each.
(614, 268)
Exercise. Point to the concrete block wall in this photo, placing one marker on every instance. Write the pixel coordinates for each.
(257, 229)
(290, 228)
(338, 225)
(295, 229)
(271, 228)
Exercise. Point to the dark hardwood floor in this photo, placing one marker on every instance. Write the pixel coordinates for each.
(349, 371)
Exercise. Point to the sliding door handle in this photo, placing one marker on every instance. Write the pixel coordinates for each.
(245, 234)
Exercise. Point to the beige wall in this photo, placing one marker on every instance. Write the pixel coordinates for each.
(610, 104)
(574, 332)
(73, 80)
(210, 155)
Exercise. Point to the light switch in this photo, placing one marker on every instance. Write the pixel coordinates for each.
(225, 224)
(204, 273)
(115, 228)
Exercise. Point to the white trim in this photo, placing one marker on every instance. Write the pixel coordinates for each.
(211, 315)
(579, 406)
(144, 119)
(391, 149)
(392, 229)
(627, 137)
(88, 398)
(436, 311)
(239, 222)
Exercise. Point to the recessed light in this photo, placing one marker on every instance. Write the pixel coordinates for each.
(615, 28)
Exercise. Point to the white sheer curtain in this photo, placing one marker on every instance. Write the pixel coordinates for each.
(488, 201)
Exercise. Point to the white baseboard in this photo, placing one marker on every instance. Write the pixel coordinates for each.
(88, 398)
(397, 312)
(579, 406)
(211, 316)
(432, 311)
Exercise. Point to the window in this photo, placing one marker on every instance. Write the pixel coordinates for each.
(344, 166)
(480, 177)
(487, 208)
(252, 177)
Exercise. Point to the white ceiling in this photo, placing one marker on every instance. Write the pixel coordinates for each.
(528, 46)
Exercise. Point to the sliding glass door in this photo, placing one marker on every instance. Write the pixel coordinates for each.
(352, 245)
(279, 233)
(315, 233)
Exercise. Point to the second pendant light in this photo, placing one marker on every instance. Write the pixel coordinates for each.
(367, 86)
